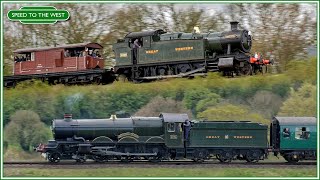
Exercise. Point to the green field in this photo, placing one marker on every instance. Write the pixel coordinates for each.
(164, 172)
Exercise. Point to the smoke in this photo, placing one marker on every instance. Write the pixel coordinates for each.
(72, 101)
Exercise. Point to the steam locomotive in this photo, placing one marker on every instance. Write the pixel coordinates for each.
(174, 136)
(162, 55)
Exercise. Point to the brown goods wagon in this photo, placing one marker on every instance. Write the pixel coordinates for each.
(65, 58)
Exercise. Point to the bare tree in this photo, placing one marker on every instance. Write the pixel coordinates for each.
(283, 30)
(159, 104)
(175, 18)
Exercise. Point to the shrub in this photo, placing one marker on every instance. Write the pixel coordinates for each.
(302, 102)
(26, 130)
(225, 112)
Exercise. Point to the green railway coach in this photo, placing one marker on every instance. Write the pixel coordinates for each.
(295, 138)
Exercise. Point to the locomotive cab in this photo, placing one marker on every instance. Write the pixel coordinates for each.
(173, 129)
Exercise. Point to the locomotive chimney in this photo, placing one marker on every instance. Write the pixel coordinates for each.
(67, 117)
(234, 25)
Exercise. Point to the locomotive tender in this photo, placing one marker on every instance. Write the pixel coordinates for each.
(168, 138)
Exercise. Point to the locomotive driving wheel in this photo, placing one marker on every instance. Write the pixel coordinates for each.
(81, 158)
(126, 159)
(99, 158)
(183, 68)
(162, 71)
(137, 73)
(156, 158)
(54, 157)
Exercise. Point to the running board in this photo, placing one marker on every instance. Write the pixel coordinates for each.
(190, 73)
(114, 153)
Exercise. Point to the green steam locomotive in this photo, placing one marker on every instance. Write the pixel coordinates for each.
(173, 136)
(157, 54)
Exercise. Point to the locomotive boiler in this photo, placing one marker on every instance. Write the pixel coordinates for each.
(89, 129)
(230, 41)
(157, 54)
(115, 138)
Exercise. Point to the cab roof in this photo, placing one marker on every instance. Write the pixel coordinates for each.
(144, 33)
(296, 120)
(86, 44)
(174, 117)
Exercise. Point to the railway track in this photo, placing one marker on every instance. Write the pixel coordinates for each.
(164, 164)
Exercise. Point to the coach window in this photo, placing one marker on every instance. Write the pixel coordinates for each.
(147, 41)
(77, 52)
(286, 132)
(28, 56)
(170, 127)
(302, 133)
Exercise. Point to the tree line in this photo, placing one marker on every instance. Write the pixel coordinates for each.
(30, 107)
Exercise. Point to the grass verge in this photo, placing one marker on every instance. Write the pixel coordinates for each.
(163, 172)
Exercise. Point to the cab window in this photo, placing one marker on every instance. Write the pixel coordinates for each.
(170, 127)
(139, 42)
(302, 133)
(286, 132)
